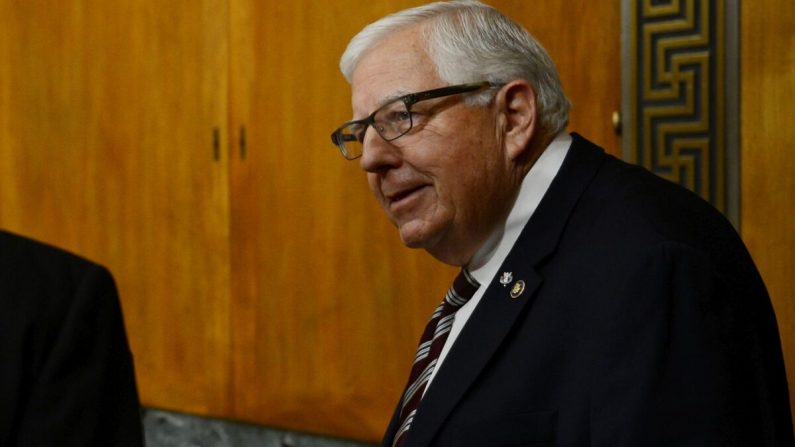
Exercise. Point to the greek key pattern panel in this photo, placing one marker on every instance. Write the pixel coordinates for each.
(675, 102)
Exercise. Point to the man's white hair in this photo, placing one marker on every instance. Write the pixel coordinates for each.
(469, 41)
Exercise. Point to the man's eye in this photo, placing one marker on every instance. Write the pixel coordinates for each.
(398, 116)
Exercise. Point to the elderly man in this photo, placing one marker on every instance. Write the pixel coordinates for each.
(598, 304)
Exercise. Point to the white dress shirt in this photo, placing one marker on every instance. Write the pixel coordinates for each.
(488, 259)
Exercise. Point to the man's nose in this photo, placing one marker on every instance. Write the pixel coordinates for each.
(378, 155)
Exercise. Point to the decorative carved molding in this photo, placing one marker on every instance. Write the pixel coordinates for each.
(680, 94)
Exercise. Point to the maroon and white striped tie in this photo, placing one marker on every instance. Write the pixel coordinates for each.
(431, 344)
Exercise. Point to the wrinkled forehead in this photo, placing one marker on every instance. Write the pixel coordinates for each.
(398, 65)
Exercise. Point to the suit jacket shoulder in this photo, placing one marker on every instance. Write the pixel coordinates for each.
(67, 376)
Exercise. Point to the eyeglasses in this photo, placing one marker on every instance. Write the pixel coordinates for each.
(393, 119)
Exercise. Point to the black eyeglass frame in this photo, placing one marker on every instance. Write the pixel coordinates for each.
(338, 138)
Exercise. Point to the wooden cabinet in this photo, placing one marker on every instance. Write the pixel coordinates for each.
(767, 34)
(328, 303)
(186, 145)
(107, 111)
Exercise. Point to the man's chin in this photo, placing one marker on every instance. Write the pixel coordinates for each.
(435, 243)
(416, 236)
(412, 241)
(431, 241)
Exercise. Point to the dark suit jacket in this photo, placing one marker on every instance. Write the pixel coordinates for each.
(643, 322)
(66, 373)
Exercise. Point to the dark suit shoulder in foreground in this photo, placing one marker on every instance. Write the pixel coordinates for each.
(67, 375)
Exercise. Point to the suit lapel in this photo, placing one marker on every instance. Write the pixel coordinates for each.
(498, 310)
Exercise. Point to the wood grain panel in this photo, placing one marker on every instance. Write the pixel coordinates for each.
(106, 117)
(326, 299)
(767, 158)
(328, 305)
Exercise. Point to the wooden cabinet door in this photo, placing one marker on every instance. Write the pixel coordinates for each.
(767, 219)
(327, 304)
(107, 112)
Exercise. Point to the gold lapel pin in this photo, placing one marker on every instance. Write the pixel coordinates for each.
(517, 289)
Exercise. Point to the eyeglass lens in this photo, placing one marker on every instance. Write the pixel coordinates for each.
(390, 121)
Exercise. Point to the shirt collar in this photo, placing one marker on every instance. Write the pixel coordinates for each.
(490, 256)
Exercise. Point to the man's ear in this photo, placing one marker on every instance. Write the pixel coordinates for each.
(517, 103)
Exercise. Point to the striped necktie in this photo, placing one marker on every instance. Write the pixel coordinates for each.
(431, 344)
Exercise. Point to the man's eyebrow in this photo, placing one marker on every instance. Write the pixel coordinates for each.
(396, 95)
(386, 100)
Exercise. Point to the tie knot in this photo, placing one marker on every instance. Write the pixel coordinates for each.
(463, 288)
